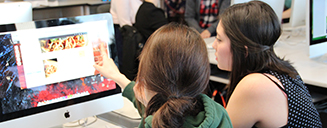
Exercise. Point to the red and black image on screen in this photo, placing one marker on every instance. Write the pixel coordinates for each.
(14, 98)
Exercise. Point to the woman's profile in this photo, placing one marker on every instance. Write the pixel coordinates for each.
(264, 90)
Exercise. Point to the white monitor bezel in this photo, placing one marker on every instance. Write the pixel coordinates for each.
(16, 12)
(316, 48)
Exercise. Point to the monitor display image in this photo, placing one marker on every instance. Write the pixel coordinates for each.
(276, 5)
(317, 30)
(16, 12)
(47, 74)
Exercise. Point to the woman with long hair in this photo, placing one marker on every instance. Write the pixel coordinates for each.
(264, 90)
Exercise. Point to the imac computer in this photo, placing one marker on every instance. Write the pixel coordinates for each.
(277, 5)
(15, 12)
(317, 30)
(47, 76)
(297, 17)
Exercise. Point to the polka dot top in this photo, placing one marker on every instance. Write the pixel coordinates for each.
(301, 111)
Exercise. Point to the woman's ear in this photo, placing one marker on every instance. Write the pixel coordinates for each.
(246, 51)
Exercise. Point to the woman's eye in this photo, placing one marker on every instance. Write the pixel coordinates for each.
(219, 40)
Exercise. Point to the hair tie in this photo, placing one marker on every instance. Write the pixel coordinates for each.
(265, 47)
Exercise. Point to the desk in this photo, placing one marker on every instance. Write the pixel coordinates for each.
(65, 8)
(99, 123)
(296, 50)
(127, 116)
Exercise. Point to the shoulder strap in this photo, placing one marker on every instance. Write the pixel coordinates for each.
(275, 83)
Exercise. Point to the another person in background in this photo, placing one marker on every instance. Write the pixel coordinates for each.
(123, 13)
(174, 71)
(149, 18)
(203, 15)
(264, 90)
(175, 10)
(287, 11)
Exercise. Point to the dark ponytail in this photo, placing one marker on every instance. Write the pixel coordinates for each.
(170, 114)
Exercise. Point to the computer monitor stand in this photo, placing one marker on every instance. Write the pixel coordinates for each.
(82, 122)
(90, 122)
(321, 59)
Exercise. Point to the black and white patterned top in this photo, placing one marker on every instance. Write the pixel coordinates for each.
(301, 110)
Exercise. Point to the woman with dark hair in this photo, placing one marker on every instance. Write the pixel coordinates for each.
(174, 70)
(264, 90)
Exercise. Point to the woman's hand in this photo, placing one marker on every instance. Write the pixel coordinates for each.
(205, 34)
(108, 68)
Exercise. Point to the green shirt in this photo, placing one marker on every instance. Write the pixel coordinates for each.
(213, 116)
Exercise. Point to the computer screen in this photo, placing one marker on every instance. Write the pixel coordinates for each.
(16, 12)
(276, 5)
(47, 74)
(317, 30)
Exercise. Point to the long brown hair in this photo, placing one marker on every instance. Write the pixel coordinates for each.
(174, 64)
(253, 28)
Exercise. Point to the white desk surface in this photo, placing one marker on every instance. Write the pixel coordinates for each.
(296, 50)
(99, 123)
(128, 110)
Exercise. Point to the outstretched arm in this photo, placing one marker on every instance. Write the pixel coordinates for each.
(108, 69)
